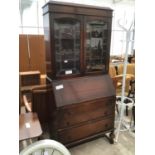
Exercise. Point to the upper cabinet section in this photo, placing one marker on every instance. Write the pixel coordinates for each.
(72, 8)
(77, 39)
(96, 44)
(67, 45)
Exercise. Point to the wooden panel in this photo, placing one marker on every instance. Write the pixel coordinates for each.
(24, 63)
(36, 59)
(84, 11)
(82, 89)
(76, 9)
(83, 112)
(47, 40)
(30, 78)
(35, 128)
(86, 130)
(42, 99)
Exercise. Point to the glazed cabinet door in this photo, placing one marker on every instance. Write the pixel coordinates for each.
(97, 44)
(67, 44)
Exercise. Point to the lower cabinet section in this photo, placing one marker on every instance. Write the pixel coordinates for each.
(83, 112)
(81, 122)
(83, 131)
(84, 109)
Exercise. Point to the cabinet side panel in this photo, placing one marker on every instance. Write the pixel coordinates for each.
(108, 43)
(47, 40)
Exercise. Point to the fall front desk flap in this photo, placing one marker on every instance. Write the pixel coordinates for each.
(82, 89)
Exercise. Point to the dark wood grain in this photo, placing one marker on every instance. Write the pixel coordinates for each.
(85, 130)
(83, 89)
(76, 9)
(84, 100)
(83, 106)
(83, 13)
(89, 111)
(35, 128)
(41, 100)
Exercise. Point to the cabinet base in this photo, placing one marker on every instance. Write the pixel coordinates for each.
(110, 138)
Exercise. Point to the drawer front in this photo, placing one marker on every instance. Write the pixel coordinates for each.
(89, 129)
(85, 112)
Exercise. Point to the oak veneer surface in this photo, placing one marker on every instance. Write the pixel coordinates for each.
(82, 89)
(32, 58)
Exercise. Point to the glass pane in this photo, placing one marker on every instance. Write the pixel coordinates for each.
(96, 45)
(67, 45)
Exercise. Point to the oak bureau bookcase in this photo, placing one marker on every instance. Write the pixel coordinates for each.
(77, 40)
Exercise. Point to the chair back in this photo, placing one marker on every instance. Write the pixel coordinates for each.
(112, 71)
(130, 69)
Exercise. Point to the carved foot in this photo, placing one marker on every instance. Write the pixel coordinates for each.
(111, 137)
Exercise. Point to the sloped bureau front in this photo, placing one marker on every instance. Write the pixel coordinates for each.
(88, 114)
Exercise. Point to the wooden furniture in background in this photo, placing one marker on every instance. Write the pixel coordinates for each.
(39, 100)
(116, 73)
(29, 81)
(31, 53)
(130, 72)
(130, 75)
(30, 78)
(27, 89)
(29, 126)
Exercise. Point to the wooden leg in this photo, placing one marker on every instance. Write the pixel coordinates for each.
(111, 137)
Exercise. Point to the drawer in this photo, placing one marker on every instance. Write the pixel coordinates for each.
(70, 118)
(89, 105)
(84, 131)
(85, 112)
